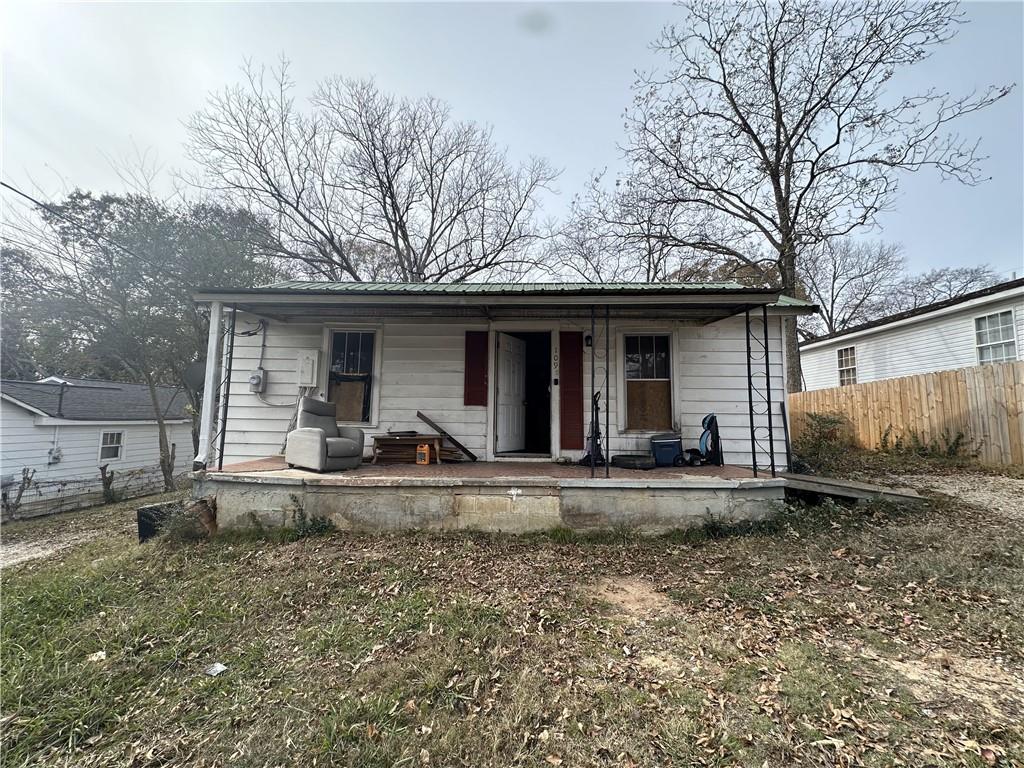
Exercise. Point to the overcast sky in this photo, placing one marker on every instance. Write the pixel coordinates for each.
(83, 83)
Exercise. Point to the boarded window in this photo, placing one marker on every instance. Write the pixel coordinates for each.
(648, 367)
(111, 445)
(350, 385)
(847, 361)
(995, 338)
(475, 384)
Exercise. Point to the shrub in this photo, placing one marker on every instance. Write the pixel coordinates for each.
(947, 446)
(824, 443)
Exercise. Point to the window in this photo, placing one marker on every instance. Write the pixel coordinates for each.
(111, 445)
(648, 382)
(350, 378)
(995, 338)
(847, 359)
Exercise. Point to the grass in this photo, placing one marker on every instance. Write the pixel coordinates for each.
(877, 635)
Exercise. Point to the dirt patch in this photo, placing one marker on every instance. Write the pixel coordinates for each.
(942, 679)
(22, 551)
(663, 665)
(1004, 495)
(634, 597)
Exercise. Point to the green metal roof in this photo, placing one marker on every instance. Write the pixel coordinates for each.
(502, 288)
(790, 301)
(514, 289)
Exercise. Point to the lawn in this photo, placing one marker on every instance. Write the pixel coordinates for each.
(872, 636)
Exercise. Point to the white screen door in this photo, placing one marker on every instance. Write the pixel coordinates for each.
(511, 393)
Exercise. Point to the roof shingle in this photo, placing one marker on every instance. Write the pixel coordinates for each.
(92, 400)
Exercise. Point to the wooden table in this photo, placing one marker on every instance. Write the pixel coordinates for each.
(381, 444)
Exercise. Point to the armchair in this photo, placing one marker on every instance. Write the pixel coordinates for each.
(319, 443)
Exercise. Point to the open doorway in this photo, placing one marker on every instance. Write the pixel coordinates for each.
(523, 394)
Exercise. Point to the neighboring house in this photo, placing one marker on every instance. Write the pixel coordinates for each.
(508, 370)
(985, 326)
(63, 430)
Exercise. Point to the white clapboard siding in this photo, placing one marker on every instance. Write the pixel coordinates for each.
(422, 368)
(926, 345)
(26, 443)
(710, 371)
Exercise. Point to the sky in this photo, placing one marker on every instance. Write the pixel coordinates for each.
(85, 85)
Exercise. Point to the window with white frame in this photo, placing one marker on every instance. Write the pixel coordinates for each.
(111, 446)
(350, 376)
(994, 337)
(847, 360)
(648, 374)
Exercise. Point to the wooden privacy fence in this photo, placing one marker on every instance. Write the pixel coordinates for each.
(984, 403)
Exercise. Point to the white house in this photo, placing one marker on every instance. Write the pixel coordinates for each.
(985, 326)
(507, 370)
(56, 433)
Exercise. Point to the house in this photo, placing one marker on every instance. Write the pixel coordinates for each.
(56, 434)
(509, 372)
(985, 326)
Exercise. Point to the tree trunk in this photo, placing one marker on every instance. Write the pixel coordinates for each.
(790, 340)
(166, 449)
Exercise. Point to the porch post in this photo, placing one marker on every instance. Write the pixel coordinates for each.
(750, 393)
(593, 414)
(768, 385)
(225, 388)
(209, 388)
(607, 398)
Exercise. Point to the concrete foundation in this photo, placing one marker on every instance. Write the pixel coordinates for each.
(514, 505)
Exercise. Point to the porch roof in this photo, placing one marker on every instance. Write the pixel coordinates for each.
(298, 300)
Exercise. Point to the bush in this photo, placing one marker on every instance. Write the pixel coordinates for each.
(824, 443)
(948, 446)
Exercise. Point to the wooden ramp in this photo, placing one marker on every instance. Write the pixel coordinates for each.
(847, 489)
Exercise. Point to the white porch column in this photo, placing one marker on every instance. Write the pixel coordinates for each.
(209, 388)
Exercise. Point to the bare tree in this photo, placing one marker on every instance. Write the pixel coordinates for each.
(773, 129)
(610, 235)
(851, 282)
(935, 285)
(365, 185)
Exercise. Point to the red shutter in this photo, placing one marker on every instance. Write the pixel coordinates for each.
(475, 389)
(570, 389)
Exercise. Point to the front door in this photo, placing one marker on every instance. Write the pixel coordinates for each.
(511, 416)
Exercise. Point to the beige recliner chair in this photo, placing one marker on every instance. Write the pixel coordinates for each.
(319, 443)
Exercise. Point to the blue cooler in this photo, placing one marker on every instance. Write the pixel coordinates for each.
(665, 448)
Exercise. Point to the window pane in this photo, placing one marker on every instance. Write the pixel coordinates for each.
(661, 357)
(647, 357)
(350, 387)
(632, 357)
(366, 353)
(339, 349)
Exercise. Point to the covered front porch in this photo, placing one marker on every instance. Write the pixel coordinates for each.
(508, 496)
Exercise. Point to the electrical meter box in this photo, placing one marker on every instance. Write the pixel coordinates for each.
(307, 362)
(258, 381)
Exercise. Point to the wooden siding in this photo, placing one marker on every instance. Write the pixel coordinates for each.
(423, 368)
(27, 443)
(984, 403)
(926, 345)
